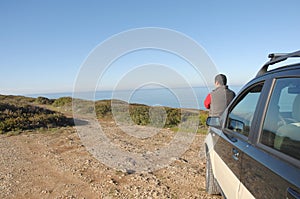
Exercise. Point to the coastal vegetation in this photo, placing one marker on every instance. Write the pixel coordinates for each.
(19, 113)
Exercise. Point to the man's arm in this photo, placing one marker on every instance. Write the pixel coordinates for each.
(207, 101)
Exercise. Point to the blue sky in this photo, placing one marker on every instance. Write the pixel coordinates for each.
(43, 44)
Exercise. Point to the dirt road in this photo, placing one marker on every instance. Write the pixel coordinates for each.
(56, 164)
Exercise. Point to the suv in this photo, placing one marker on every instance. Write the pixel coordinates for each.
(253, 149)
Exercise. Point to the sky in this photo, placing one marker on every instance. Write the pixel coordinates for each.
(45, 44)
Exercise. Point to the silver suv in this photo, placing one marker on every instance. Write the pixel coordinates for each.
(253, 149)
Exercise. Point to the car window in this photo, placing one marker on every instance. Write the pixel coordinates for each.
(241, 115)
(281, 128)
(286, 100)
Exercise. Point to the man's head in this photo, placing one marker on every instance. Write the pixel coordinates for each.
(220, 80)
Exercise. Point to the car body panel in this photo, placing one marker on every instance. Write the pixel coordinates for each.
(223, 162)
(266, 176)
(244, 192)
(258, 171)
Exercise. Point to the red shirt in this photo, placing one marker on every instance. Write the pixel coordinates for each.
(207, 101)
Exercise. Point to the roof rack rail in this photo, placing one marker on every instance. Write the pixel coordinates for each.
(275, 58)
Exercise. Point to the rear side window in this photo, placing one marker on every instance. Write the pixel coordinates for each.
(281, 128)
(241, 115)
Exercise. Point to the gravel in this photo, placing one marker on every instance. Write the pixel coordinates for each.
(56, 164)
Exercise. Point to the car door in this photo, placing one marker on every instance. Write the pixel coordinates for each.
(232, 143)
(271, 167)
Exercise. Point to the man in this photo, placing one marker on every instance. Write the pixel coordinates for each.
(218, 100)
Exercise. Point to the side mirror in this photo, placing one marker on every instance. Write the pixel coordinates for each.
(213, 122)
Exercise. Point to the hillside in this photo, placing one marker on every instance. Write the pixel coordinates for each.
(53, 162)
(19, 113)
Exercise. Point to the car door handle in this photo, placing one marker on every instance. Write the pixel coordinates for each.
(292, 194)
(235, 154)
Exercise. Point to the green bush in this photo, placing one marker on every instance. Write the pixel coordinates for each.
(158, 116)
(139, 114)
(103, 108)
(63, 101)
(202, 118)
(173, 117)
(16, 99)
(44, 100)
(25, 117)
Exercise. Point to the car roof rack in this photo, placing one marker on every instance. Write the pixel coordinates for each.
(275, 58)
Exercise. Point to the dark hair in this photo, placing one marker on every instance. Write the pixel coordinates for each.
(221, 79)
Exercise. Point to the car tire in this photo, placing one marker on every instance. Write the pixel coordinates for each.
(212, 186)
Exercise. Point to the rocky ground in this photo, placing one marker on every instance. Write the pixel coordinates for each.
(56, 164)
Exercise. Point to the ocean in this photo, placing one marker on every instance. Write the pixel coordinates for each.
(171, 97)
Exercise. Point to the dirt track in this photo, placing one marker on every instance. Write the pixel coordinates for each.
(56, 164)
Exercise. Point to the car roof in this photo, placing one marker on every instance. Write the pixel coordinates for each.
(284, 68)
(276, 58)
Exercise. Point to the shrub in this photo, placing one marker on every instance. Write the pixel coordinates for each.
(26, 117)
(63, 101)
(139, 114)
(173, 117)
(44, 100)
(202, 118)
(103, 108)
(16, 99)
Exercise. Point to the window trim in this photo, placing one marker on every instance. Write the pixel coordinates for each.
(279, 154)
(257, 138)
(240, 97)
